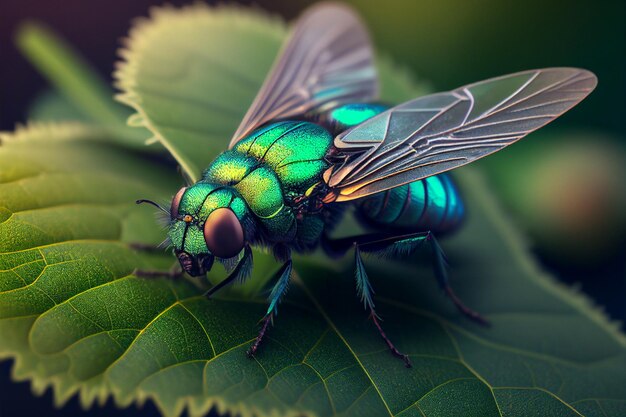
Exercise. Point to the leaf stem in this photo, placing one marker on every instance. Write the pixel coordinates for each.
(69, 73)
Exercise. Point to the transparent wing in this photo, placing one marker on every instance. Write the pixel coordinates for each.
(436, 133)
(327, 60)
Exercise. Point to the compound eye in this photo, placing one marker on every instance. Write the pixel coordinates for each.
(223, 233)
(176, 203)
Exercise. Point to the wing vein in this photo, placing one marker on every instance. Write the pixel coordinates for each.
(453, 136)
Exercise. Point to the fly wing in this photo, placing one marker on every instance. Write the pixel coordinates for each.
(327, 60)
(439, 132)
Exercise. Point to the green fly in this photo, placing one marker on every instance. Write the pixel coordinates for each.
(315, 141)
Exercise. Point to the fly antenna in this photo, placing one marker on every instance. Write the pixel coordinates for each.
(154, 204)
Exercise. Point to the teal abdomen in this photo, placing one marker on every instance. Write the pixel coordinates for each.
(431, 204)
(269, 169)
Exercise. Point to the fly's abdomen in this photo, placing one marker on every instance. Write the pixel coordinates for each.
(431, 204)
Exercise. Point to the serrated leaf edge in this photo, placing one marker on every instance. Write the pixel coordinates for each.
(126, 69)
(50, 130)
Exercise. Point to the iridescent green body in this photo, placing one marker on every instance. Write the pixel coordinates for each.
(264, 178)
(260, 179)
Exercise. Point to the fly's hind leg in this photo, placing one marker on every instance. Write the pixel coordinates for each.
(280, 288)
(404, 245)
(396, 245)
(365, 292)
(378, 245)
(439, 266)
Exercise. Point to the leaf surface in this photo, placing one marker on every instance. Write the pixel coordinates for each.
(74, 316)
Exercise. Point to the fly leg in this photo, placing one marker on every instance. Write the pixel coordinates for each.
(381, 244)
(145, 247)
(439, 266)
(280, 288)
(405, 244)
(241, 272)
(174, 272)
(365, 291)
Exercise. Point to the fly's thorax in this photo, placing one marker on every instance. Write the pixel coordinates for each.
(349, 115)
(207, 220)
(269, 169)
(294, 150)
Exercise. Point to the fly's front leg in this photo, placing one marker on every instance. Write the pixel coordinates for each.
(174, 272)
(280, 288)
(241, 272)
(145, 247)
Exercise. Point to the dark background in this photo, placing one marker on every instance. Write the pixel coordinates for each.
(448, 43)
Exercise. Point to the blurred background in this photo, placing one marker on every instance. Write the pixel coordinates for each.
(564, 187)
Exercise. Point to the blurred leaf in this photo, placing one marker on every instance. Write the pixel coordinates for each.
(85, 95)
(191, 84)
(68, 72)
(74, 316)
(51, 106)
(571, 198)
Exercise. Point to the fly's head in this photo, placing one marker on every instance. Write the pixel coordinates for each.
(206, 223)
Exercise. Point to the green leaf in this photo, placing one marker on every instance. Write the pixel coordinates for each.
(192, 73)
(75, 318)
(50, 106)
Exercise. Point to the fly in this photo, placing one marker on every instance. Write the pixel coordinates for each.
(315, 141)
